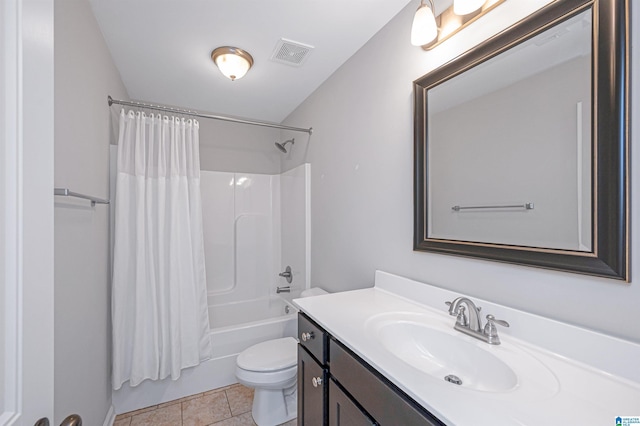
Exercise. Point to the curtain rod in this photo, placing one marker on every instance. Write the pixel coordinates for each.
(112, 101)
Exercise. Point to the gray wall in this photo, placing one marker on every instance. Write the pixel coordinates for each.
(232, 147)
(84, 76)
(467, 161)
(3, 290)
(361, 156)
(227, 146)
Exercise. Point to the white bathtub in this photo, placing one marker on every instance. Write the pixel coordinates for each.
(236, 326)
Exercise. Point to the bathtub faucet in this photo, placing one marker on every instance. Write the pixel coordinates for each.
(287, 274)
(286, 289)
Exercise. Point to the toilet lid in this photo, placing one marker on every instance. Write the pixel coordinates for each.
(270, 355)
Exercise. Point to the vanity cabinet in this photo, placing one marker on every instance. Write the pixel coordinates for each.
(343, 410)
(313, 388)
(352, 392)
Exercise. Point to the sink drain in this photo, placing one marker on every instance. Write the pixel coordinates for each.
(451, 378)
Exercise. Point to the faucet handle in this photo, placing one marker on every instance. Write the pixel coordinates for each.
(451, 306)
(490, 330)
(492, 319)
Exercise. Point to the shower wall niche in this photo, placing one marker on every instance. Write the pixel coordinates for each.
(254, 225)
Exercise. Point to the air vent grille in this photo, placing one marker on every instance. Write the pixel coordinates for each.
(291, 52)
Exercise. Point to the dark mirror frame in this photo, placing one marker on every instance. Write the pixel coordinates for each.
(610, 144)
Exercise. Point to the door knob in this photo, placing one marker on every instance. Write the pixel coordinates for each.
(72, 420)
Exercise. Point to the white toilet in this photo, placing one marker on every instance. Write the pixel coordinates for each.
(271, 369)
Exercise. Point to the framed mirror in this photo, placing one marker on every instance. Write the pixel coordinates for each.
(521, 144)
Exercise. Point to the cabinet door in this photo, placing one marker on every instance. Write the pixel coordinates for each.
(387, 404)
(312, 390)
(343, 411)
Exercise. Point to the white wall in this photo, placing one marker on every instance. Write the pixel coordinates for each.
(361, 154)
(84, 76)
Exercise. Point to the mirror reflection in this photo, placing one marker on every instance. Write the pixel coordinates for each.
(509, 145)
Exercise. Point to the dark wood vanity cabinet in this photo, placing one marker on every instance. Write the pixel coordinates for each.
(313, 388)
(343, 410)
(351, 392)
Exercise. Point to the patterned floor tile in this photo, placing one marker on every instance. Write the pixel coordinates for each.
(166, 416)
(241, 420)
(126, 421)
(227, 406)
(205, 410)
(240, 399)
(133, 413)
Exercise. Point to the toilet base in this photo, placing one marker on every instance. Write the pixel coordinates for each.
(272, 407)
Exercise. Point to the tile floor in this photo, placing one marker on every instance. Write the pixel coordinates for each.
(228, 406)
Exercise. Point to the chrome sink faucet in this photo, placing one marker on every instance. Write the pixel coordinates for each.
(455, 308)
(473, 325)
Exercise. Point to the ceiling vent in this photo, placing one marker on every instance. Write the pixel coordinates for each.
(291, 52)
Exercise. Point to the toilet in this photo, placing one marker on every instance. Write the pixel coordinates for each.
(271, 368)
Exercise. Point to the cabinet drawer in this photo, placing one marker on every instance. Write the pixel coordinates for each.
(313, 338)
(312, 390)
(385, 402)
(343, 411)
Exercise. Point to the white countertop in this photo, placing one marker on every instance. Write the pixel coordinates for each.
(576, 376)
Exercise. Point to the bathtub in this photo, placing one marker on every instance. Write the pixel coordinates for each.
(235, 327)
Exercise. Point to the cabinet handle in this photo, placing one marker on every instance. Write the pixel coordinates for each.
(316, 381)
(307, 336)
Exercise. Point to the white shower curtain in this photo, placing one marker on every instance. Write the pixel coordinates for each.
(159, 301)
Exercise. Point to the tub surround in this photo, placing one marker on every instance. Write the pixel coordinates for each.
(585, 377)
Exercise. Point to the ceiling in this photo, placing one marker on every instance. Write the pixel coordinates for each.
(162, 48)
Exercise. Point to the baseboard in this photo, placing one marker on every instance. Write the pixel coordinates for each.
(111, 417)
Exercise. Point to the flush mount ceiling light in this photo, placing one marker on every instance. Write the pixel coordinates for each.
(429, 31)
(232, 61)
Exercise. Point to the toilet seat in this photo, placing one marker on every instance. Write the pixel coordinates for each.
(270, 356)
(269, 379)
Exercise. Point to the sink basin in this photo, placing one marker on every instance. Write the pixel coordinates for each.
(445, 356)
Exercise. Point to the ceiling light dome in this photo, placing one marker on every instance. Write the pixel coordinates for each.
(232, 62)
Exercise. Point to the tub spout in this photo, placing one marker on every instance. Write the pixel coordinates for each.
(285, 289)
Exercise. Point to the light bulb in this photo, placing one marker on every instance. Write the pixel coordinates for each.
(465, 7)
(424, 29)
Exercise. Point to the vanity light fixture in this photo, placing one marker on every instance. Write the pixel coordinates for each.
(429, 31)
(424, 29)
(232, 62)
(465, 7)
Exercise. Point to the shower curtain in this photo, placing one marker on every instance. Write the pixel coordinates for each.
(159, 300)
